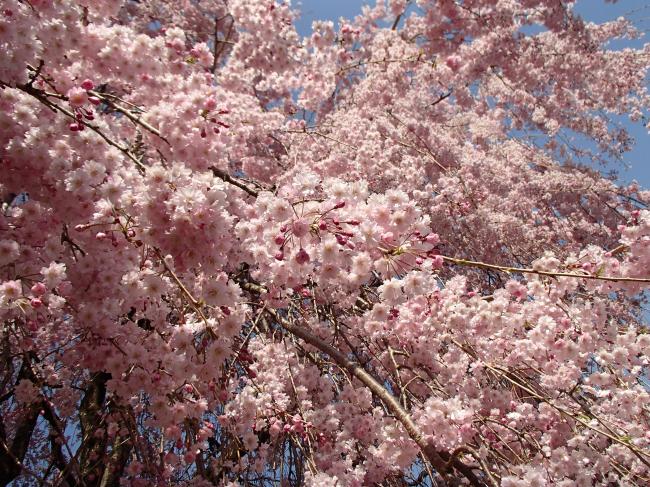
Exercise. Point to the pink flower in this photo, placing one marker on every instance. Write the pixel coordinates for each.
(77, 96)
(9, 251)
(10, 290)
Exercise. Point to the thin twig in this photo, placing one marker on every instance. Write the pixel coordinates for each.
(509, 270)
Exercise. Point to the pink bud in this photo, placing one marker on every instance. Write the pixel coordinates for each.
(322, 225)
(94, 100)
(387, 236)
(353, 222)
(432, 238)
(8, 12)
(38, 289)
(210, 104)
(453, 62)
(300, 228)
(87, 84)
(279, 255)
(437, 261)
(279, 239)
(302, 257)
(339, 204)
(36, 303)
(419, 261)
(341, 239)
(100, 236)
(74, 127)
(188, 388)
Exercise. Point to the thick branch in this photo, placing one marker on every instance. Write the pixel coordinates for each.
(356, 370)
(12, 456)
(235, 182)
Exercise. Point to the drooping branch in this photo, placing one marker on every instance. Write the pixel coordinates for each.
(510, 270)
(366, 379)
(41, 96)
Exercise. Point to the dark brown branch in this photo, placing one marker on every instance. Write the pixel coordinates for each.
(235, 182)
(12, 456)
(41, 96)
(429, 451)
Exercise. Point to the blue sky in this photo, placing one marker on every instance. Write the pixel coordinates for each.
(591, 10)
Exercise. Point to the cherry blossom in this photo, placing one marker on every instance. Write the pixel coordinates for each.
(376, 255)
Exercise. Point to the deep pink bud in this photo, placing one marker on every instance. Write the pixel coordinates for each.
(341, 239)
(302, 257)
(339, 204)
(353, 222)
(322, 225)
(94, 100)
(87, 84)
(36, 303)
(74, 127)
(100, 236)
(279, 255)
(279, 239)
